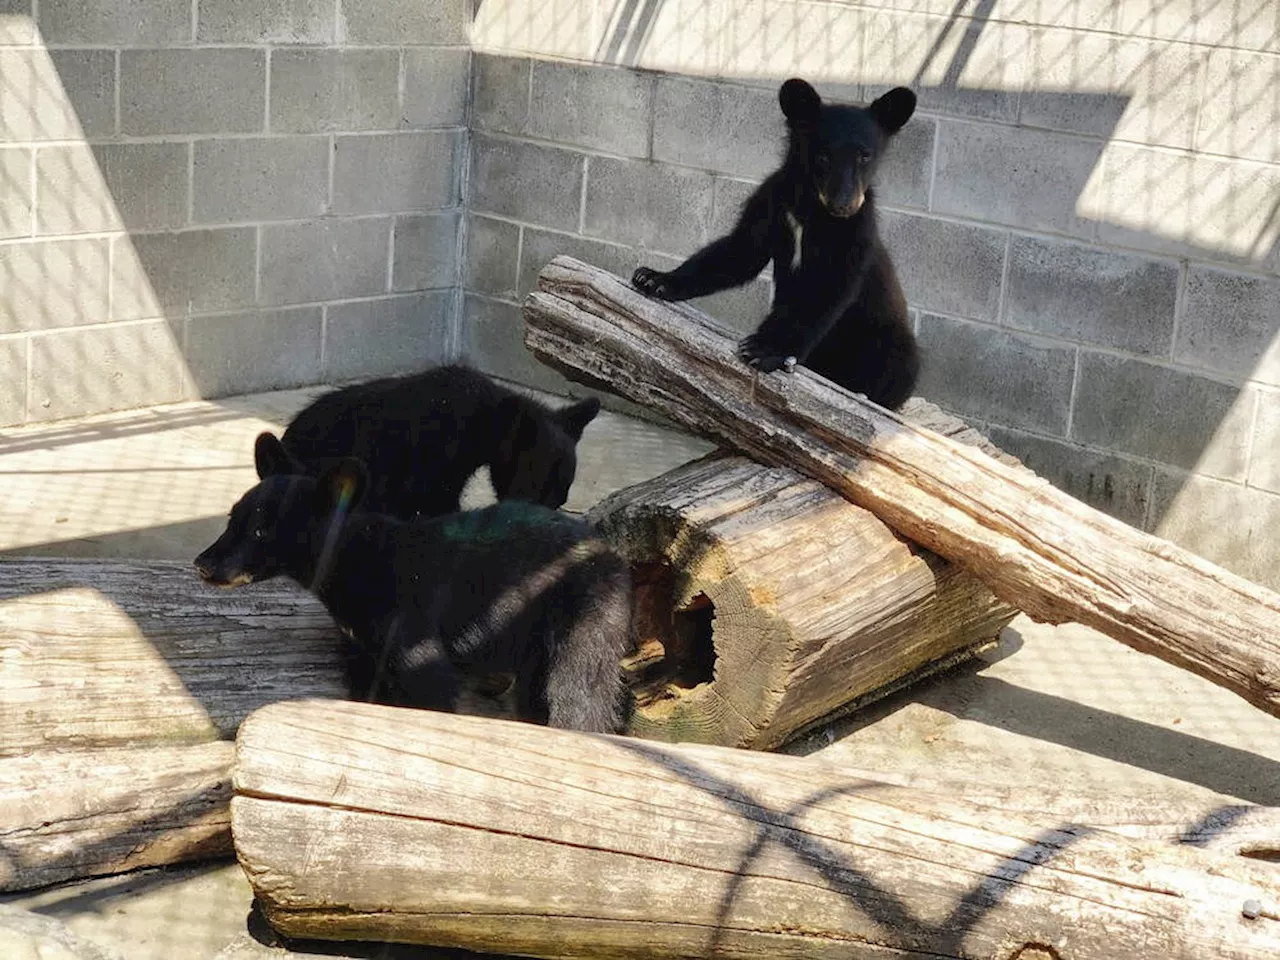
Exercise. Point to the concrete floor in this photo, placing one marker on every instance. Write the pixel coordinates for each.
(1061, 706)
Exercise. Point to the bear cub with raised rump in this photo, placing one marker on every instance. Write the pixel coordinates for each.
(515, 588)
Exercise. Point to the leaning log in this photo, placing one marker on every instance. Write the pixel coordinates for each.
(766, 602)
(1034, 546)
(359, 822)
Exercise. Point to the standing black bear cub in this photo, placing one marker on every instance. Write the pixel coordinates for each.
(837, 308)
(515, 588)
(423, 435)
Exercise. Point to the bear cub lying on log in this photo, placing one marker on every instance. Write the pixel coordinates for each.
(837, 308)
(422, 436)
(514, 588)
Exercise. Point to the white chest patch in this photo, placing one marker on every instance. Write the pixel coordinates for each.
(797, 234)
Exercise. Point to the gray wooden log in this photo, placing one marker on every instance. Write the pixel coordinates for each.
(1034, 546)
(128, 652)
(67, 815)
(766, 603)
(359, 822)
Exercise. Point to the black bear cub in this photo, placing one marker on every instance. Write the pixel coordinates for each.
(837, 307)
(514, 588)
(422, 436)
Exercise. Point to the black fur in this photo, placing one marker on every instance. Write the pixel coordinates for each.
(511, 589)
(838, 307)
(422, 436)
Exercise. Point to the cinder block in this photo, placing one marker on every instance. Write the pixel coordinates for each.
(1231, 525)
(134, 186)
(650, 205)
(493, 341)
(13, 375)
(1206, 208)
(821, 42)
(375, 338)
(728, 198)
(96, 369)
(1230, 324)
(265, 21)
(16, 215)
(435, 87)
(396, 172)
(1240, 116)
(426, 252)
(526, 181)
(970, 68)
(16, 27)
(1012, 175)
(324, 260)
(740, 307)
(212, 90)
(116, 22)
(907, 166)
(1114, 485)
(564, 29)
(248, 352)
(1082, 293)
(269, 178)
(541, 246)
(326, 89)
(500, 93)
(992, 374)
(1166, 415)
(42, 92)
(52, 283)
(56, 95)
(1112, 86)
(598, 107)
(947, 267)
(718, 127)
(493, 254)
(1264, 465)
(174, 274)
(399, 22)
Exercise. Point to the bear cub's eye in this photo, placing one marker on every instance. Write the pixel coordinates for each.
(822, 161)
(258, 533)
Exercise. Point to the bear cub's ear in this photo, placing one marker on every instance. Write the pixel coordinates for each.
(342, 485)
(575, 418)
(800, 103)
(271, 458)
(893, 109)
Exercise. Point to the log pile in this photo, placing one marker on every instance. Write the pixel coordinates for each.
(1037, 548)
(372, 823)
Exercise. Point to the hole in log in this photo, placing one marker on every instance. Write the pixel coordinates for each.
(676, 650)
(1263, 854)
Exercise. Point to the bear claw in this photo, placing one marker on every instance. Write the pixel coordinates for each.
(651, 282)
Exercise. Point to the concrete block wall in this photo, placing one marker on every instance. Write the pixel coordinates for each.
(1083, 211)
(221, 196)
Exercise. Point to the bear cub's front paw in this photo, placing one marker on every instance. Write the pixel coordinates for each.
(759, 354)
(654, 283)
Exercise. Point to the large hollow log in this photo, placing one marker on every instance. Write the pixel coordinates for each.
(766, 602)
(1034, 546)
(359, 822)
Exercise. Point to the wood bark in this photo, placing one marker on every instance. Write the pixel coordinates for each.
(766, 602)
(66, 815)
(360, 822)
(1034, 546)
(127, 652)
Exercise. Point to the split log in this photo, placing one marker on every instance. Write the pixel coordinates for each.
(69, 815)
(126, 652)
(357, 822)
(1034, 546)
(766, 603)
